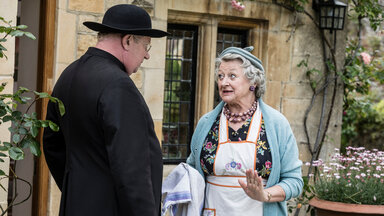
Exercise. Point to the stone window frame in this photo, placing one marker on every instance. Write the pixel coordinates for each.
(207, 35)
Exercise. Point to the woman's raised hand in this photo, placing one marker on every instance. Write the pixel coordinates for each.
(254, 186)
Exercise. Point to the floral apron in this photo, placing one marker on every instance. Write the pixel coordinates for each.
(224, 195)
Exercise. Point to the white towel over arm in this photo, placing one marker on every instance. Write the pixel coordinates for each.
(183, 192)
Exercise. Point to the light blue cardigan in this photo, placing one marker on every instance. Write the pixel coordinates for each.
(286, 166)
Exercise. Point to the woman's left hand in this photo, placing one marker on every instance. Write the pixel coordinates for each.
(254, 186)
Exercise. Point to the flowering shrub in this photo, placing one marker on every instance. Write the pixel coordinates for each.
(356, 177)
(366, 58)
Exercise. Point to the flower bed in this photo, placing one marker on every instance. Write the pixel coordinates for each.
(356, 177)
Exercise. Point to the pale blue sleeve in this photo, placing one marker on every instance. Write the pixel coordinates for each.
(290, 173)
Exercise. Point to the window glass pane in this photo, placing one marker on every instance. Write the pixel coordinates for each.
(184, 117)
(219, 36)
(227, 38)
(185, 91)
(166, 112)
(189, 34)
(186, 70)
(184, 150)
(183, 134)
(179, 92)
(174, 113)
(188, 44)
(175, 91)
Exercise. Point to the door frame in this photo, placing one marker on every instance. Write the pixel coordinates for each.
(44, 84)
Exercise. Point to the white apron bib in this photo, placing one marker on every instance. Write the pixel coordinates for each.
(224, 195)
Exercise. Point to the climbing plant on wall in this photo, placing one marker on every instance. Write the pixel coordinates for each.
(361, 69)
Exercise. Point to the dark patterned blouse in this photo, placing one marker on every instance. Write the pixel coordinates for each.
(264, 157)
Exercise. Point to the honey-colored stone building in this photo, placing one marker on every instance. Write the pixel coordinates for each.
(178, 80)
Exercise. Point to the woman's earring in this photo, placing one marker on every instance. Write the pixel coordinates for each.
(251, 88)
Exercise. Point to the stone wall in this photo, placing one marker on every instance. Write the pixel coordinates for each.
(270, 32)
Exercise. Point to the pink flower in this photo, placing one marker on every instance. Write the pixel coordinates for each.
(268, 164)
(238, 5)
(209, 145)
(366, 57)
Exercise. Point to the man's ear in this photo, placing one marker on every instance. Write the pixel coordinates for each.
(125, 41)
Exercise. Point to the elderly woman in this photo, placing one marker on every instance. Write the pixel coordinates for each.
(244, 148)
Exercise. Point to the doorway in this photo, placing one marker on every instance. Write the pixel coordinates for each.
(33, 68)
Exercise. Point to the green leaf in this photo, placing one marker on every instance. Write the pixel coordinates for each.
(3, 55)
(60, 104)
(4, 148)
(25, 143)
(24, 100)
(30, 35)
(2, 173)
(61, 108)
(28, 124)
(16, 114)
(17, 99)
(44, 123)
(35, 148)
(12, 129)
(34, 115)
(2, 86)
(7, 118)
(7, 144)
(23, 89)
(37, 123)
(53, 126)
(23, 131)
(16, 138)
(16, 153)
(34, 131)
(22, 26)
(3, 155)
(3, 112)
(42, 94)
(3, 48)
(1, 160)
(16, 33)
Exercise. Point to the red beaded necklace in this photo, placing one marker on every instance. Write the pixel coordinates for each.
(239, 117)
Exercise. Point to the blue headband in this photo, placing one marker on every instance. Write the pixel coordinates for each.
(246, 53)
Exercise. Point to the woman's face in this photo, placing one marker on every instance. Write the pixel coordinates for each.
(232, 83)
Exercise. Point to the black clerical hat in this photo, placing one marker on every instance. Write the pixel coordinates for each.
(128, 19)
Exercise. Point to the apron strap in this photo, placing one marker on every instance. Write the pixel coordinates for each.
(254, 128)
(223, 128)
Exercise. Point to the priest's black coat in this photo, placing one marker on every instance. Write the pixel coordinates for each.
(106, 158)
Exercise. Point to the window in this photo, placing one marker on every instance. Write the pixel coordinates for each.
(227, 38)
(179, 92)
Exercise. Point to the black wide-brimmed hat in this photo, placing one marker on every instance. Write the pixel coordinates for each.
(128, 19)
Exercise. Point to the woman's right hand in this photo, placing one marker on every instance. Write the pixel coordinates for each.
(254, 186)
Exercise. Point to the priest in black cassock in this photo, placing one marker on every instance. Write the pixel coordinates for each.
(106, 158)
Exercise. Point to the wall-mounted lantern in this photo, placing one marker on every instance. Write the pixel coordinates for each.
(331, 13)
